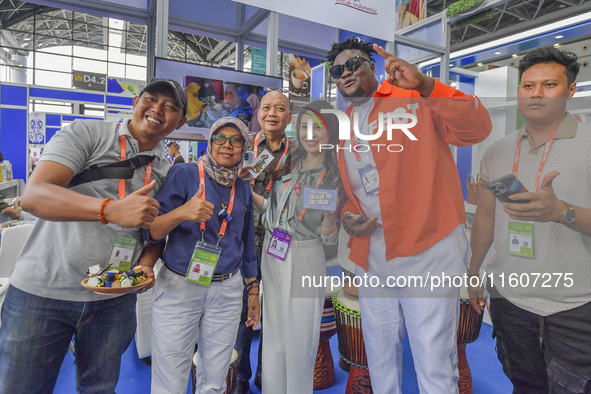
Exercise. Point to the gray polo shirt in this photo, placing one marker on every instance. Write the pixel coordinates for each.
(56, 256)
(557, 249)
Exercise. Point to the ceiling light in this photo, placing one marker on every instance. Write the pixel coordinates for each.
(514, 55)
(480, 64)
(556, 45)
(497, 52)
(558, 37)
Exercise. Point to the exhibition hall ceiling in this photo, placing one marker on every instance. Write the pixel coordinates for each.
(58, 26)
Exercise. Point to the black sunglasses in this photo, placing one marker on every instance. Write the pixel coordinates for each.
(219, 139)
(352, 65)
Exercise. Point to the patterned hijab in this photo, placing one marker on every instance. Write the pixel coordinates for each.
(222, 175)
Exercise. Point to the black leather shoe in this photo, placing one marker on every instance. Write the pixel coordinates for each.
(257, 381)
(242, 386)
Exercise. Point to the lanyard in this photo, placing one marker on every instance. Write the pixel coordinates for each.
(353, 138)
(230, 205)
(123, 156)
(318, 182)
(256, 151)
(542, 161)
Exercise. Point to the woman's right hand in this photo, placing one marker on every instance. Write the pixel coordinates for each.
(245, 174)
(196, 209)
(476, 294)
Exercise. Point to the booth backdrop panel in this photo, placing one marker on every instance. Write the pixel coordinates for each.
(13, 139)
(211, 12)
(13, 95)
(67, 95)
(50, 132)
(303, 32)
(53, 120)
(376, 18)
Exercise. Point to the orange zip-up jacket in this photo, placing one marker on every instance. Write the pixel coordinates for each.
(420, 192)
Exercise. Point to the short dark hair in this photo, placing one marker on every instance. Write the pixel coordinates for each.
(173, 144)
(551, 55)
(350, 43)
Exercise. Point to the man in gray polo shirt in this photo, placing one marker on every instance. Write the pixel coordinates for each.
(79, 226)
(540, 298)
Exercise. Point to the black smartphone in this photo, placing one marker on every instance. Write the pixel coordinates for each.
(505, 186)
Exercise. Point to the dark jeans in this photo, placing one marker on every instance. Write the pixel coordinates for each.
(539, 354)
(244, 339)
(36, 333)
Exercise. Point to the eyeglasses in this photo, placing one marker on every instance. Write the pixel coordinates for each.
(219, 139)
(352, 65)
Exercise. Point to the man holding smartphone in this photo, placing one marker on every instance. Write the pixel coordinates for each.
(540, 302)
(414, 202)
(274, 115)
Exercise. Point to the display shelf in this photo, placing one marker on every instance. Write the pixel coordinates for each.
(12, 188)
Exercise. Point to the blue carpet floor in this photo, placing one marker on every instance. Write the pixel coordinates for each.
(487, 374)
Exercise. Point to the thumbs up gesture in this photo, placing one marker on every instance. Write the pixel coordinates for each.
(544, 206)
(135, 210)
(197, 209)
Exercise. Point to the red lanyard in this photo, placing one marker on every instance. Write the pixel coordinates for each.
(123, 156)
(256, 150)
(542, 161)
(318, 182)
(230, 204)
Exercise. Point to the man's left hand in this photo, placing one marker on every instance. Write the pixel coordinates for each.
(254, 311)
(404, 75)
(544, 206)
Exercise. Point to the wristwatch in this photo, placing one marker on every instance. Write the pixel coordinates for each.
(569, 215)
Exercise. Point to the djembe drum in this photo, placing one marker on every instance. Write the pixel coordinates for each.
(468, 331)
(351, 347)
(230, 377)
(324, 367)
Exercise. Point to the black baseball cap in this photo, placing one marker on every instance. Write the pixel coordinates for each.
(174, 86)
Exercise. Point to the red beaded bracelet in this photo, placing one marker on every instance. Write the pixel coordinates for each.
(102, 210)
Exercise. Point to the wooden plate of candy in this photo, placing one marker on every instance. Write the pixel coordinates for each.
(117, 290)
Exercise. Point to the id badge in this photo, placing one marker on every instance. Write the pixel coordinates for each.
(257, 217)
(279, 244)
(521, 236)
(369, 177)
(205, 259)
(122, 250)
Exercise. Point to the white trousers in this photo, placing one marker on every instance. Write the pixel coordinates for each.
(292, 317)
(184, 314)
(431, 324)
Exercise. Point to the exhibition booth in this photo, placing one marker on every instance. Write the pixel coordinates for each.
(287, 44)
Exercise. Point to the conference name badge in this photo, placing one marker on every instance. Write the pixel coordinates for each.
(205, 259)
(279, 244)
(122, 250)
(521, 236)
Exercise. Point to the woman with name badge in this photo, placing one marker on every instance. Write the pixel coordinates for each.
(206, 212)
(299, 218)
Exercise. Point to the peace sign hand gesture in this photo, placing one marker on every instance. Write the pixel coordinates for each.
(404, 75)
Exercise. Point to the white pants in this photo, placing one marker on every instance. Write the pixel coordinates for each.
(431, 324)
(183, 314)
(292, 317)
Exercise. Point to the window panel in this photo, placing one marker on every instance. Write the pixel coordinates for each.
(94, 66)
(53, 62)
(52, 78)
(134, 72)
(15, 74)
(117, 70)
(88, 51)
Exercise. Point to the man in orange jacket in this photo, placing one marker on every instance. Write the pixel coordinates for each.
(405, 211)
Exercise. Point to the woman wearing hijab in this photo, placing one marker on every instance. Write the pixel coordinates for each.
(206, 212)
(292, 308)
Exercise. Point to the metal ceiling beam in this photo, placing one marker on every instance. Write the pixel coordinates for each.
(255, 20)
(519, 27)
